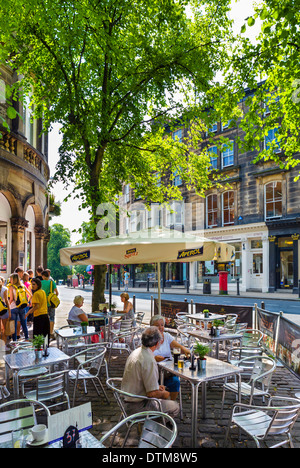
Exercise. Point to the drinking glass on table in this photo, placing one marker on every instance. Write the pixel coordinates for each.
(18, 439)
(176, 354)
(181, 361)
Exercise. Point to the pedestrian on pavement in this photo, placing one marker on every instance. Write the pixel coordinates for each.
(126, 279)
(39, 308)
(18, 313)
(7, 315)
(48, 285)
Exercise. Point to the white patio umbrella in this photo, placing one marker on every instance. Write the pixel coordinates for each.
(154, 245)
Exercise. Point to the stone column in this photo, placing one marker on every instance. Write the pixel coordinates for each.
(295, 238)
(39, 232)
(265, 283)
(45, 247)
(272, 263)
(18, 226)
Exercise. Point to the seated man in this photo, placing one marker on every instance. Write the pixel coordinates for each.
(141, 378)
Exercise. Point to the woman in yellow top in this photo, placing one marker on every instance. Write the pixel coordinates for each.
(39, 308)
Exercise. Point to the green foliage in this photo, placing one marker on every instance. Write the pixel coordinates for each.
(273, 60)
(218, 323)
(38, 341)
(116, 76)
(201, 350)
(60, 237)
(107, 72)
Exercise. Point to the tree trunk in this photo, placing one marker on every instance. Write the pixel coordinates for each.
(98, 296)
(99, 286)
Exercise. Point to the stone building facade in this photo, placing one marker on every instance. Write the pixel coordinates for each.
(259, 213)
(24, 174)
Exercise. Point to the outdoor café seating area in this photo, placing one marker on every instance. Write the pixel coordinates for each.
(247, 395)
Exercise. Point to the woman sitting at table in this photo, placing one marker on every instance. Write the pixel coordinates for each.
(128, 312)
(76, 314)
(39, 308)
(171, 383)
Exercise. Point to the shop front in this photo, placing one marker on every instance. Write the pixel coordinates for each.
(284, 255)
(250, 265)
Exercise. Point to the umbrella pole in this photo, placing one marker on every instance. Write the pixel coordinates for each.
(158, 288)
(109, 286)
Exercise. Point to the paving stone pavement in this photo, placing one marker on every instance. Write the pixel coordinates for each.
(211, 431)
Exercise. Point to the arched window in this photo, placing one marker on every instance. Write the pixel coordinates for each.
(273, 200)
(30, 239)
(211, 211)
(5, 235)
(228, 208)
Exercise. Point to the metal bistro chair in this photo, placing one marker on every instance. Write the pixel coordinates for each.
(90, 369)
(230, 322)
(114, 384)
(48, 388)
(237, 354)
(19, 414)
(89, 350)
(23, 375)
(123, 339)
(183, 336)
(259, 422)
(239, 327)
(251, 338)
(139, 329)
(259, 382)
(154, 434)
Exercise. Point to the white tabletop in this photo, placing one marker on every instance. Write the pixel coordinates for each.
(74, 332)
(109, 314)
(27, 359)
(205, 334)
(86, 438)
(210, 318)
(214, 369)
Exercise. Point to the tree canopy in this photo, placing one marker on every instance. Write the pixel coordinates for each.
(113, 74)
(107, 72)
(60, 237)
(269, 65)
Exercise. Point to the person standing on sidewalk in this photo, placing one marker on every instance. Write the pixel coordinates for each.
(7, 315)
(126, 279)
(48, 283)
(18, 313)
(39, 308)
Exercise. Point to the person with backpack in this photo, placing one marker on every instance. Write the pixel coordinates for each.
(49, 286)
(18, 299)
(39, 309)
(4, 314)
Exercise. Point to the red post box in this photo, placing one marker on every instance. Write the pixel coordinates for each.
(223, 282)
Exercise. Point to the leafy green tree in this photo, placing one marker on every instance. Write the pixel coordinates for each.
(60, 237)
(270, 66)
(113, 74)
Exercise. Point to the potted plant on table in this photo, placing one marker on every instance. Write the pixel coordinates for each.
(201, 350)
(84, 326)
(38, 343)
(206, 313)
(218, 324)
